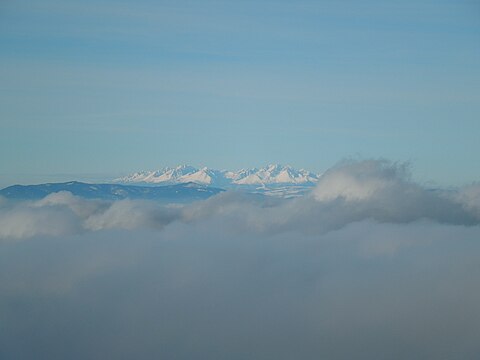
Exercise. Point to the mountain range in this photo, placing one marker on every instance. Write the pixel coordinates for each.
(180, 184)
(271, 175)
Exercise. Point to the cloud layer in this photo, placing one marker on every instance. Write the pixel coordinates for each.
(349, 192)
(370, 265)
(199, 290)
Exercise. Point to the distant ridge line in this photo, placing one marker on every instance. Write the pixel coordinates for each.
(177, 192)
(273, 174)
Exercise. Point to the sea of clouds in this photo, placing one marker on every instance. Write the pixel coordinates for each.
(369, 265)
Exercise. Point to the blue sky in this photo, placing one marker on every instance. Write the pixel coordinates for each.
(101, 88)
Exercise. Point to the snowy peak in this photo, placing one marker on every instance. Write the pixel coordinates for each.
(273, 174)
(164, 175)
(279, 174)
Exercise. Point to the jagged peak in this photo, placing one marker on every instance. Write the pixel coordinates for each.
(270, 174)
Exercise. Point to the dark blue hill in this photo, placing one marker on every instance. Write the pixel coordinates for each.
(175, 193)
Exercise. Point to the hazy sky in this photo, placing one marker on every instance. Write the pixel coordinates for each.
(108, 87)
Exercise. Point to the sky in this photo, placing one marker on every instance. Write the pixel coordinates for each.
(93, 89)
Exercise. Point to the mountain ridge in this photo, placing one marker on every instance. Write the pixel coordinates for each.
(273, 174)
(176, 193)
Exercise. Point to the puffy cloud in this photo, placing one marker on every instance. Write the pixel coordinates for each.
(360, 180)
(469, 196)
(27, 221)
(63, 213)
(64, 199)
(383, 191)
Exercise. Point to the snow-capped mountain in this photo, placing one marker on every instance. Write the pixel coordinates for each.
(269, 175)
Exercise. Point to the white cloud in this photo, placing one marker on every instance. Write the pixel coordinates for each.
(361, 180)
(469, 196)
(26, 221)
